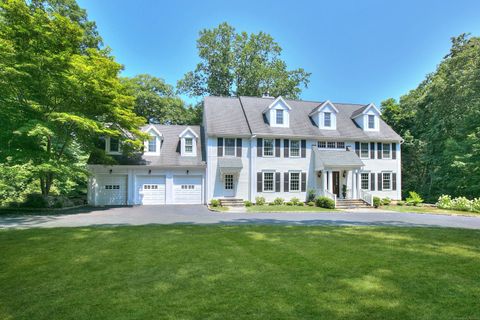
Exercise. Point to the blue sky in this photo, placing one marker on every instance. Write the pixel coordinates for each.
(357, 51)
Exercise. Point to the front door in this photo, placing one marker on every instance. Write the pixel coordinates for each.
(229, 186)
(336, 183)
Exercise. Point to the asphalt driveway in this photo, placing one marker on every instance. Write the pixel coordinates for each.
(197, 214)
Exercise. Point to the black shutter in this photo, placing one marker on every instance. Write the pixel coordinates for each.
(259, 147)
(277, 181)
(239, 147)
(286, 185)
(394, 151)
(379, 150)
(277, 148)
(357, 148)
(304, 148)
(372, 150)
(259, 182)
(394, 181)
(372, 181)
(304, 181)
(379, 180)
(286, 144)
(220, 147)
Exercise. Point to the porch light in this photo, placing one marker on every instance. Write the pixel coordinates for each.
(110, 171)
(188, 171)
(149, 171)
(319, 174)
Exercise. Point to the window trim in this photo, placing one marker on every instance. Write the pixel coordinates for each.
(273, 148)
(371, 116)
(383, 180)
(225, 182)
(368, 150)
(273, 180)
(368, 180)
(155, 143)
(110, 145)
(225, 147)
(186, 145)
(389, 153)
(299, 181)
(277, 112)
(290, 149)
(329, 119)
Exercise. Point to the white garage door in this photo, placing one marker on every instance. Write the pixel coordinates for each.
(112, 190)
(187, 189)
(151, 189)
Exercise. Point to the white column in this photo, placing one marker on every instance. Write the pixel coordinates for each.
(354, 183)
(324, 181)
(330, 181)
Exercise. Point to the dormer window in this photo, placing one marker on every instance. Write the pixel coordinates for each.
(327, 119)
(152, 144)
(279, 116)
(325, 116)
(188, 145)
(371, 121)
(367, 117)
(114, 145)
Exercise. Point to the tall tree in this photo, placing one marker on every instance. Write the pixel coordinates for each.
(57, 95)
(241, 64)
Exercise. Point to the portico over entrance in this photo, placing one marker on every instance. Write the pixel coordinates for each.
(229, 172)
(338, 174)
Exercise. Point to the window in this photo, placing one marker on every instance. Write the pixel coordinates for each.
(294, 181)
(114, 145)
(327, 119)
(295, 148)
(268, 147)
(331, 145)
(230, 147)
(364, 149)
(152, 144)
(268, 181)
(365, 183)
(279, 117)
(187, 186)
(229, 182)
(386, 152)
(322, 144)
(112, 187)
(387, 180)
(150, 187)
(371, 121)
(188, 145)
(340, 145)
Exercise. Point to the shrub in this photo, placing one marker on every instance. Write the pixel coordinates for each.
(289, 203)
(278, 201)
(476, 205)
(300, 204)
(35, 200)
(444, 202)
(272, 204)
(462, 204)
(377, 202)
(311, 195)
(324, 202)
(414, 198)
(311, 203)
(295, 200)
(259, 201)
(215, 203)
(386, 201)
(400, 203)
(247, 203)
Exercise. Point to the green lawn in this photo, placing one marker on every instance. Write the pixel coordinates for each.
(285, 208)
(428, 210)
(241, 272)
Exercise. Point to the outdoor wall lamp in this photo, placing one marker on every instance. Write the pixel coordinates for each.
(110, 171)
(149, 171)
(188, 171)
(319, 174)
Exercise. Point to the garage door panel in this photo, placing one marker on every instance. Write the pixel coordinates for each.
(151, 190)
(112, 190)
(187, 189)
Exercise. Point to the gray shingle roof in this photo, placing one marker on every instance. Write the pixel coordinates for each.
(336, 158)
(230, 163)
(224, 116)
(358, 112)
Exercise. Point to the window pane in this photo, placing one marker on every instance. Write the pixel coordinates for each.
(340, 145)
(188, 145)
(268, 181)
(386, 181)
(386, 150)
(268, 147)
(365, 181)
(331, 145)
(294, 181)
(114, 144)
(364, 149)
(322, 144)
(152, 144)
(294, 148)
(371, 122)
(229, 182)
(279, 117)
(327, 120)
(230, 147)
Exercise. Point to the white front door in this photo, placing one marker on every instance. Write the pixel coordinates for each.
(229, 185)
(151, 190)
(187, 189)
(112, 190)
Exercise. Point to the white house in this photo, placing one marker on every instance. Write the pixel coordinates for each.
(249, 147)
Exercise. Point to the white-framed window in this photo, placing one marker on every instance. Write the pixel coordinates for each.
(112, 187)
(268, 146)
(327, 119)
(187, 186)
(340, 145)
(365, 180)
(188, 145)
(150, 187)
(152, 144)
(268, 181)
(294, 148)
(294, 181)
(364, 150)
(230, 147)
(279, 116)
(371, 121)
(387, 180)
(386, 151)
(322, 144)
(229, 182)
(331, 145)
(114, 145)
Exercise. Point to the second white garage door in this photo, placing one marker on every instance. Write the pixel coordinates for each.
(187, 189)
(151, 189)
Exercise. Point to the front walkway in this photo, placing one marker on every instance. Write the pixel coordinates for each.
(197, 214)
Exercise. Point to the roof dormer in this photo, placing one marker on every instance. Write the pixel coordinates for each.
(188, 143)
(325, 116)
(153, 144)
(367, 117)
(278, 113)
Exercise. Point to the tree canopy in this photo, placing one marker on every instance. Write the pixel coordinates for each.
(241, 64)
(440, 122)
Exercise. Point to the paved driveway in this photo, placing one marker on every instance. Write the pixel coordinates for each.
(197, 214)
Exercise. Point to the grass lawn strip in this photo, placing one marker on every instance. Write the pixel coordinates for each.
(430, 210)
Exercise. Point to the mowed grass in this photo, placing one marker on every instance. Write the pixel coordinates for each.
(285, 208)
(240, 272)
(432, 210)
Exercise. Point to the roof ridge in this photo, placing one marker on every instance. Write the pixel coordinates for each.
(312, 101)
